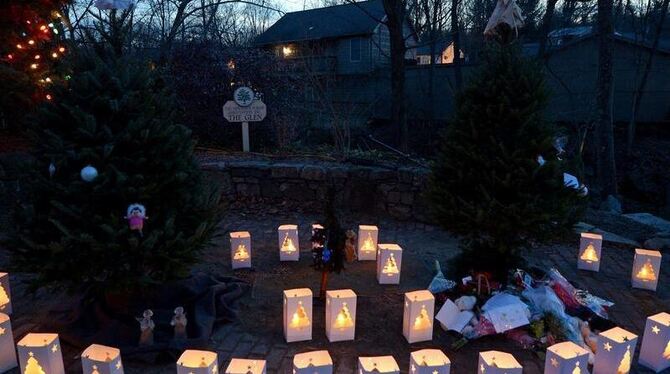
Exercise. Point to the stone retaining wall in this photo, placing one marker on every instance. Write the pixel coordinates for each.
(371, 190)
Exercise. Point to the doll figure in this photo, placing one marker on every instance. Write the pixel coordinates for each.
(136, 215)
(146, 328)
(179, 322)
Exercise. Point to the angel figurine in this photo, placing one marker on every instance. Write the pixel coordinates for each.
(136, 215)
(179, 322)
(147, 326)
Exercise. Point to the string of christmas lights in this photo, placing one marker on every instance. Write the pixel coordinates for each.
(34, 43)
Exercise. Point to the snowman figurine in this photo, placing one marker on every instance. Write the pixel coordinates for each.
(136, 215)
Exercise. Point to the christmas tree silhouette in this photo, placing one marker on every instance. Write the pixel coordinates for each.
(666, 352)
(576, 370)
(343, 317)
(95, 370)
(646, 273)
(33, 366)
(368, 244)
(422, 321)
(300, 318)
(624, 366)
(390, 267)
(287, 245)
(241, 252)
(589, 254)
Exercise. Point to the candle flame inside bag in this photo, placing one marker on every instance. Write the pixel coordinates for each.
(241, 253)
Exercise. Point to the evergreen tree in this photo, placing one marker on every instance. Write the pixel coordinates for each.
(117, 116)
(487, 184)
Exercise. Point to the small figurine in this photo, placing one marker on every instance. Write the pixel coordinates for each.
(136, 215)
(147, 328)
(179, 322)
(350, 246)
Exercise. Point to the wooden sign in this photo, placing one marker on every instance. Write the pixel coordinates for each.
(254, 112)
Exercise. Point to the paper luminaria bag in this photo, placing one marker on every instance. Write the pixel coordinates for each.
(646, 269)
(655, 349)
(246, 366)
(340, 315)
(566, 358)
(40, 353)
(417, 322)
(198, 362)
(590, 247)
(389, 263)
(289, 247)
(429, 361)
(378, 365)
(297, 314)
(616, 348)
(7, 352)
(316, 362)
(5, 294)
(495, 362)
(240, 249)
(367, 242)
(99, 359)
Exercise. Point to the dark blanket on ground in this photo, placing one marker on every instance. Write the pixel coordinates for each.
(207, 300)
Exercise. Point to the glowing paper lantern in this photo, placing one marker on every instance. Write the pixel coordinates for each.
(566, 358)
(646, 269)
(367, 242)
(197, 362)
(615, 351)
(240, 249)
(289, 248)
(429, 361)
(7, 351)
(317, 362)
(389, 261)
(590, 246)
(417, 321)
(244, 366)
(40, 354)
(494, 362)
(5, 294)
(655, 350)
(297, 314)
(340, 315)
(378, 365)
(99, 359)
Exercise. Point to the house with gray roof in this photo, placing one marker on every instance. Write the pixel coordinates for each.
(343, 39)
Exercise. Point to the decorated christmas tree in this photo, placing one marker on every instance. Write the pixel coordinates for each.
(488, 184)
(115, 199)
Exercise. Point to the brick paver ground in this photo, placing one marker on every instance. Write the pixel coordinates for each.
(259, 334)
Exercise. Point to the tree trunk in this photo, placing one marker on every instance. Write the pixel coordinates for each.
(637, 95)
(455, 33)
(545, 27)
(395, 14)
(606, 168)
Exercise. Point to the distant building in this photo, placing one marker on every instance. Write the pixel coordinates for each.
(443, 53)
